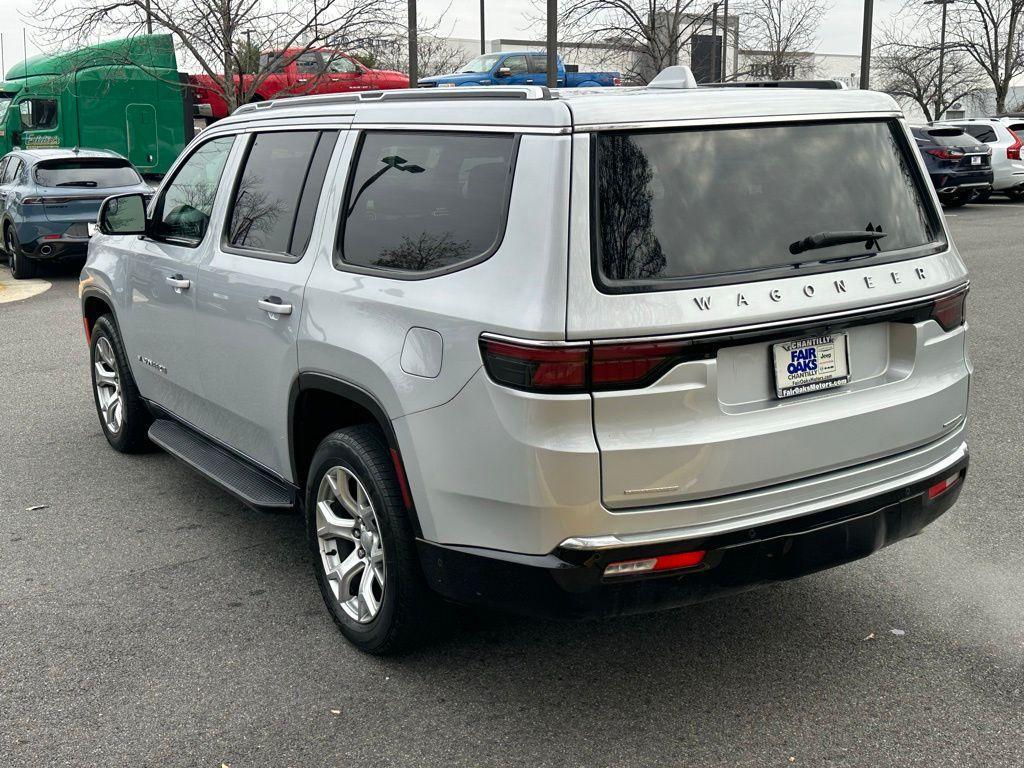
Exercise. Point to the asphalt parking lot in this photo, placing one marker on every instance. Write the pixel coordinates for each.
(148, 619)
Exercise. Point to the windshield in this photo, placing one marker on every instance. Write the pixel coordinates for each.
(675, 206)
(100, 174)
(482, 63)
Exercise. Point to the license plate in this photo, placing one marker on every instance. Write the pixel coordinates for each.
(810, 365)
(976, 160)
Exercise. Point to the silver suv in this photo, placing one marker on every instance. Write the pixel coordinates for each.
(564, 353)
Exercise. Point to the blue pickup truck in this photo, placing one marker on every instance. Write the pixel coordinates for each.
(519, 68)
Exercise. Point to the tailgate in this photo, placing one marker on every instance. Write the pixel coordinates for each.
(717, 426)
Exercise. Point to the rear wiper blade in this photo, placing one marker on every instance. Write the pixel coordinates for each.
(828, 239)
(83, 183)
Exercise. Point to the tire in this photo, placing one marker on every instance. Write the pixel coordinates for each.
(124, 417)
(22, 267)
(397, 609)
(1016, 195)
(982, 197)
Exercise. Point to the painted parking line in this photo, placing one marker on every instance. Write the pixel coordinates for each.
(16, 290)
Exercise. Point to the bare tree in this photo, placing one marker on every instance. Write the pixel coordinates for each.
(779, 37)
(991, 32)
(643, 36)
(219, 35)
(908, 69)
(435, 55)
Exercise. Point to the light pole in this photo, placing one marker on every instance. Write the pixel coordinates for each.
(413, 46)
(725, 39)
(715, 61)
(942, 55)
(865, 45)
(552, 43)
(483, 48)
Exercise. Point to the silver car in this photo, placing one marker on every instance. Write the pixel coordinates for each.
(1005, 137)
(564, 353)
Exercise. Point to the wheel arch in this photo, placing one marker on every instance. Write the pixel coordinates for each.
(320, 404)
(95, 304)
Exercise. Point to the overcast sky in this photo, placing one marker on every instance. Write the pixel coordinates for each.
(840, 32)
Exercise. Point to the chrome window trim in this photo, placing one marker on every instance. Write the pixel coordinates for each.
(734, 119)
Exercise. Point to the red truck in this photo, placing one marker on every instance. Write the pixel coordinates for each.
(298, 72)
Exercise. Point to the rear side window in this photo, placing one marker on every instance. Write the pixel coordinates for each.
(281, 178)
(981, 132)
(685, 207)
(423, 203)
(100, 174)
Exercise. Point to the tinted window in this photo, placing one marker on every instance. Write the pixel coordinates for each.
(184, 209)
(86, 173)
(982, 132)
(951, 137)
(270, 190)
(39, 113)
(1015, 127)
(421, 202)
(341, 65)
(11, 170)
(311, 192)
(539, 64)
(681, 204)
(276, 60)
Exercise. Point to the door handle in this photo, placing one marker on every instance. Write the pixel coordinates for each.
(274, 306)
(178, 283)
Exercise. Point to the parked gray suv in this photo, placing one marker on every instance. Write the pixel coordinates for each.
(565, 353)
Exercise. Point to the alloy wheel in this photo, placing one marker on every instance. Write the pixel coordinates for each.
(351, 548)
(108, 386)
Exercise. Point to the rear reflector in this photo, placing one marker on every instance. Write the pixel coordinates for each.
(653, 564)
(941, 487)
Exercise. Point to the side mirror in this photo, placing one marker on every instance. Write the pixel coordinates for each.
(503, 72)
(123, 215)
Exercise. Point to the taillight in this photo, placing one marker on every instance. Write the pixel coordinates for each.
(535, 367)
(582, 366)
(614, 365)
(1013, 151)
(616, 81)
(949, 312)
(946, 154)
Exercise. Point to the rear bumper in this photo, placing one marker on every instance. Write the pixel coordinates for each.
(954, 180)
(569, 583)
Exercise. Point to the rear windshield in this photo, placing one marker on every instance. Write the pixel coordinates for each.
(951, 137)
(86, 173)
(699, 206)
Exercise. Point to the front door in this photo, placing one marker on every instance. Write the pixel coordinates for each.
(160, 331)
(250, 291)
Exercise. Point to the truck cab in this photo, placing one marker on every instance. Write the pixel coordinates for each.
(519, 68)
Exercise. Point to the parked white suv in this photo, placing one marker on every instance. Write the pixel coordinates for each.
(1005, 136)
(565, 353)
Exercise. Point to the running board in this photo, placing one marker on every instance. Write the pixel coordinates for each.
(249, 484)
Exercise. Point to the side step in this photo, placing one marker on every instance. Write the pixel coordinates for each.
(249, 484)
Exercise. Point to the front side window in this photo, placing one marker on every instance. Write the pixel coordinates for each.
(269, 193)
(38, 114)
(728, 204)
(309, 63)
(426, 202)
(516, 65)
(342, 65)
(184, 209)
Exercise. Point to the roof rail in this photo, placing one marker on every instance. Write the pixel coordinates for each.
(827, 85)
(679, 76)
(522, 92)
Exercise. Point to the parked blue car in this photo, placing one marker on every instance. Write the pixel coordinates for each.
(519, 68)
(49, 198)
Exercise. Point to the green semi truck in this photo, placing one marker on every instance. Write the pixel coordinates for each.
(124, 95)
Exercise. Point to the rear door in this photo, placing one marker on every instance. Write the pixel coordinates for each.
(251, 284)
(704, 319)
